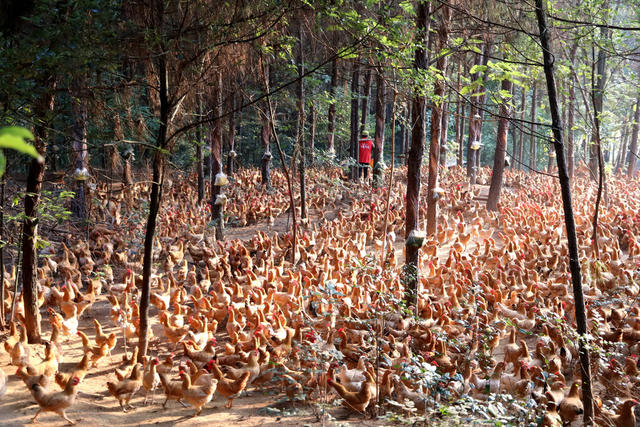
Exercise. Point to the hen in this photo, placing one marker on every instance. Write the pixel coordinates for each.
(125, 389)
(197, 395)
(358, 401)
(57, 402)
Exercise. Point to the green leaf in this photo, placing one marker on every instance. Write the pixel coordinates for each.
(14, 137)
(477, 69)
(3, 163)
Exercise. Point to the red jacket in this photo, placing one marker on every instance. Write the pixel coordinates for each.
(364, 150)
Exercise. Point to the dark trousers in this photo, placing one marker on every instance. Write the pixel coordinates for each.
(363, 170)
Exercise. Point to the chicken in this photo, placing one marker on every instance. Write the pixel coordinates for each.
(97, 352)
(571, 406)
(57, 402)
(227, 387)
(551, 417)
(252, 367)
(20, 351)
(30, 376)
(625, 416)
(49, 366)
(101, 337)
(172, 390)
(124, 390)
(197, 395)
(167, 365)
(203, 356)
(151, 379)
(80, 371)
(358, 401)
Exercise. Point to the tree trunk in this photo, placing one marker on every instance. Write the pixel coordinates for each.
(301, 118)
(436, 124)
(625, 141)
(331, 126)
(231, 154)
(633, 149)
(476, 113)
(414, 159)
(597, 95)
(501, 145)
(266, 133)
(532, 142)
(355, 125)
(408, 133)
(79, 138)
(154, 205)
(444, 134)
(216, 157)
(199, 151)
(522, 130)
(460, 132)
(312, 132)
(42, 110)
(565, 186)
(378, 147)
(366, 93)
(570, 121)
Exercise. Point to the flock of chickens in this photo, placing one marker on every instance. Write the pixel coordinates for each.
(495, 312)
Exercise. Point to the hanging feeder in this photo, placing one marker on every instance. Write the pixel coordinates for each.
(221, 200)
(266, 155)
(81, 174)
(552, 154)
(476, 116)
(128, 154)
(438, 192)
(476, 145)
(232, 154)
(221, 180)
(416, 238)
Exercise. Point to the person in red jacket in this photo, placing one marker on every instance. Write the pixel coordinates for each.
(365, 144)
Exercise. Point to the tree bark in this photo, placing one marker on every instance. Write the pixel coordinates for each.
(565, 186)
(414, 158)
(476, 113)
(301, 120)
(444, 134)
(597, 94)
(632, 158)
(266, 132)
(533, 148)
(79, 138)
(355, 125)
(522, 131)
(312, 132)
(625, 141)
(231, 154)
(378, 147)
(570, 124)
(42, 109)
(501, 145)
(436, 124)
(154, 204)
(331, 126)
(365, 95)
(216, 157)
(408, 132)
(2, 187)
(199, 151)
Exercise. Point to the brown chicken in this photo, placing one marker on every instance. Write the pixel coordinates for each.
(197, 395)
(151, 380)
(172, 390)
(227, 387)
(57, 402)
(358, 401)
(571, 406)
(124, 390)
(625, 416)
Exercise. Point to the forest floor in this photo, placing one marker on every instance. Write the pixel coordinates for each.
(95, 407)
